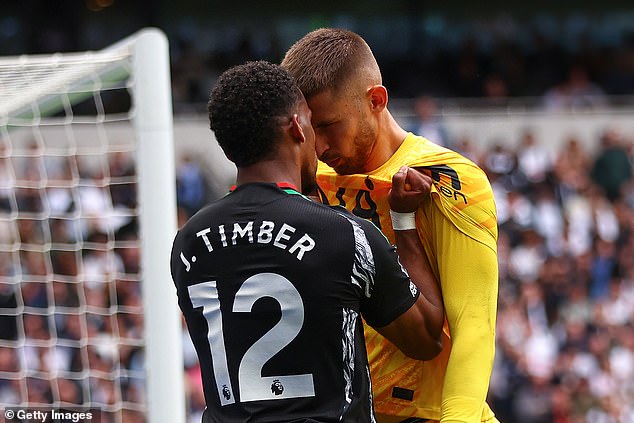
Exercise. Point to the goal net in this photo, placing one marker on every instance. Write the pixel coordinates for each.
(88, 314)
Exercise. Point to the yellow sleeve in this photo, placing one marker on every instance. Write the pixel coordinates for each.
(468, 271)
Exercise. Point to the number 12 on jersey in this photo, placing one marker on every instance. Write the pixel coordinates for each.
(252, 385)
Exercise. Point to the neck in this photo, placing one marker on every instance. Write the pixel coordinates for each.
(389, 138)
(270, 171)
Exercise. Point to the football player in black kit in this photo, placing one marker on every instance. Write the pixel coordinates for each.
(273, 286)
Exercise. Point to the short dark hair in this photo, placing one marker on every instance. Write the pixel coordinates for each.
(247, 107)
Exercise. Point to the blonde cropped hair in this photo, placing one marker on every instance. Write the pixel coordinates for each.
(328, 58)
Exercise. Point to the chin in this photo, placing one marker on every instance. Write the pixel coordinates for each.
(346, 170)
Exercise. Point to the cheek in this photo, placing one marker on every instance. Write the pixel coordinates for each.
(338, 137)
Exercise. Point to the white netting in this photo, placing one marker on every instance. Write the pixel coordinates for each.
(43, 77)
(71, 313)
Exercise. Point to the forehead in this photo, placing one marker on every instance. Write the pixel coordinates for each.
(330, 103)
(303, 107)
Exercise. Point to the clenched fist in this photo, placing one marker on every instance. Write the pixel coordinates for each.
(409, 188)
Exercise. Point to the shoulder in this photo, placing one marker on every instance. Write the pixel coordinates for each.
(449, 167)
(362, 228)
(347, 215)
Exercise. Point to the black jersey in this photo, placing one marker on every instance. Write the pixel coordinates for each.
(273, 287)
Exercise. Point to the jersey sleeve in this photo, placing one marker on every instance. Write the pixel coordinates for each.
(389, 292)
(469, 288)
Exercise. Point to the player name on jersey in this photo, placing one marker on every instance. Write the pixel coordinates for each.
(282, 236)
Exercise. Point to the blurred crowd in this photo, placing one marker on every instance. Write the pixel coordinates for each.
(544, 53)
(565, 328)
(570, 60)
(71, 316)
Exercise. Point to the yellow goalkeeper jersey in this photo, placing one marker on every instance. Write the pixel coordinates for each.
(457, 225)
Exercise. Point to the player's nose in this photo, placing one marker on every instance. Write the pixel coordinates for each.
(321, 145)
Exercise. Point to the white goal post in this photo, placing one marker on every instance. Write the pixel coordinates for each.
(41, 121)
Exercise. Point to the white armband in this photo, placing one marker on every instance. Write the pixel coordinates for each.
(403, 221)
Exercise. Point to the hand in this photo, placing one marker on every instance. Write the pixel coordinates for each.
(409, 188)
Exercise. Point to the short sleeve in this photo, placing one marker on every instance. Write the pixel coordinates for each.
(387, 289)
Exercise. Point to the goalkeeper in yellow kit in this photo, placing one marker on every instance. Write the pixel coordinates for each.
(361, 146)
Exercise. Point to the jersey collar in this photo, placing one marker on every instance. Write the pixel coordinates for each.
(281, 185)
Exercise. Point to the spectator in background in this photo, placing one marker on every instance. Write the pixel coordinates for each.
(527, 257)
(9, 388)
(34, 294)
(548, 220)
(100, 263)
(579, 219)
(612, 166)
(59, 196)
(428, 123)
(604, 266)
(29, 199)
(67, 391)
(500, 159)
(495, 90)
(465, 146)
(122, 170)
(571, 168)
(533, 159)
(95, 203)
(8, 301)
(533, 401)
(191, 187)
(576, 92)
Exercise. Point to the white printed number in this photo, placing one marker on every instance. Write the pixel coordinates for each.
(252, 385)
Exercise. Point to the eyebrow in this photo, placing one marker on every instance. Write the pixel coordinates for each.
(325, 122)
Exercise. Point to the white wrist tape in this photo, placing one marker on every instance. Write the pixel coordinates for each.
(403, 221)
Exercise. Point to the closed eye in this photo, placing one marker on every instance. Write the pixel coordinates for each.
(324, 124)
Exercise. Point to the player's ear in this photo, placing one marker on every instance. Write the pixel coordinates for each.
(296, 129)
(377, 95)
